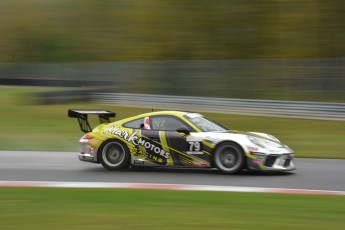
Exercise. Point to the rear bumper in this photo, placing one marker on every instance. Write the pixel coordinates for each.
(88, 153)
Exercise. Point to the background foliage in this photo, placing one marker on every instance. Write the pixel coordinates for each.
(108, 30)
(271, 49)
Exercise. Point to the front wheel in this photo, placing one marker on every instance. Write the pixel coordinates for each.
(229, 158)
(115, 155)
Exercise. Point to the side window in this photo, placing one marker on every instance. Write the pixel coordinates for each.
(167, 123)
(136, 124)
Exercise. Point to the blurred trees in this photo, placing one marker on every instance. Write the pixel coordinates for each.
(112, 30)
(278, 49)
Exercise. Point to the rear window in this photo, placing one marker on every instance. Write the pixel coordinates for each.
(135, 124)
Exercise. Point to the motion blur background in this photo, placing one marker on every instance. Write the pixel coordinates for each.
(57, 50)
(269, 49)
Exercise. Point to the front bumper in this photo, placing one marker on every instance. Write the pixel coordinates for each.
(271, 162)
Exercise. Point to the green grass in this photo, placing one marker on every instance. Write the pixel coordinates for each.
(28, 126)
(47, 208)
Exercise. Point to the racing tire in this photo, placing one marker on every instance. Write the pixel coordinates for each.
(114, 155)
(229, 158)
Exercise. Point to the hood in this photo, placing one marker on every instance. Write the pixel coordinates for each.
(235, 135)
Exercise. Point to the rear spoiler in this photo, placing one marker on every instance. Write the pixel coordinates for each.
(82, 115)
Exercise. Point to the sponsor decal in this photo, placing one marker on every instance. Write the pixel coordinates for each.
(200, 164)
(257, 161)
(139, 162)
(254, 149)
(138, 141)
(92, 150)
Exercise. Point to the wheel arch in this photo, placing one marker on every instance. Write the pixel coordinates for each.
(100, 148)
(223, 142)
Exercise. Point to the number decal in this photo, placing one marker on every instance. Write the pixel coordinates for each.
(194, 146)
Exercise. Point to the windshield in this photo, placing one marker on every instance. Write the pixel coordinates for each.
(204, 124)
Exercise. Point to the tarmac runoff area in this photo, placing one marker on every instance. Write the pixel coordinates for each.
(64, 170)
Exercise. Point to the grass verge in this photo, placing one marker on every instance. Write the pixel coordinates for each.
(47, 208)
(28, 126)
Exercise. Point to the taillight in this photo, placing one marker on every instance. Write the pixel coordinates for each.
(88, 137)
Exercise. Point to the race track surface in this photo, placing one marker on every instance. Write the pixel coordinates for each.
(315, 174)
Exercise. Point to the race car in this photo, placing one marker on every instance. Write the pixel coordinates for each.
(177, 139)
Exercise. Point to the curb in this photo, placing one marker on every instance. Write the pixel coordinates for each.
(176, 187)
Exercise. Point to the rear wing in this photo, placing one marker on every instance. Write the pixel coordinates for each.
(82, 116)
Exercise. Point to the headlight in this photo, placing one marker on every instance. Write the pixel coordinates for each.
(273, 138)
(264, 143)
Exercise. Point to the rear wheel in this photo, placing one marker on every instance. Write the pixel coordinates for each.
(115, 155)
(229, 158)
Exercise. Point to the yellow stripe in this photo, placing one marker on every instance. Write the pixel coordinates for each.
(208, 153)
(164, 143)
(250, 155)
(185, 158)
(187, 162)
(208, 144)
(261, 166)
(182, 153)
(169, 148)
(195, 158)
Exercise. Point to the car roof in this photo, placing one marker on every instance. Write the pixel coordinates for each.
(164, 113)
(171, 113)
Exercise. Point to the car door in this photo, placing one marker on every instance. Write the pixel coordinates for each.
(164, 131)
(161, 144)
(147, 148)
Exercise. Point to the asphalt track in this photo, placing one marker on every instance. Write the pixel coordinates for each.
(316, 174)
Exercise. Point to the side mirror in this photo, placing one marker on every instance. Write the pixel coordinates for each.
(183, 130)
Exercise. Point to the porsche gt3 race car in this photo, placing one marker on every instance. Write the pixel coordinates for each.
(177, 139)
